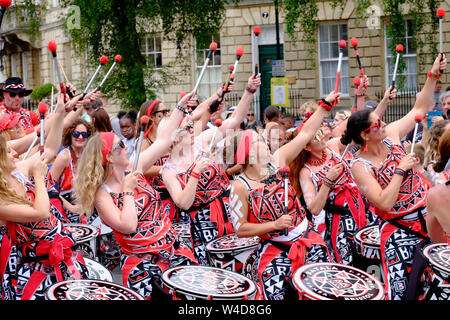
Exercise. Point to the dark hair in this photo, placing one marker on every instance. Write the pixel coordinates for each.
(130, 114)
(67, 134)
(96, 104)
(357, 123)
(272, 113)
(101, 121)
(444, 152)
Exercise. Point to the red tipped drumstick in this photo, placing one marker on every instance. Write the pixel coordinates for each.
(214, 106)
(38, 134)
(342, 46)
(103, 60)
(117, 59)
(256, 31)
(239, 53)
(399, 49)
(42, 108)
(441, 14)
(354, 43)
(212, 48)
(53, 47)
(3, 5)
(418, 118)
(285, 174)
(182, 94)
(144, 122)
(356, 83)
(217, 124)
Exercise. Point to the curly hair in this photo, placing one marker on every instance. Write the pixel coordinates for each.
(67, 134)
(7, 195)
(90, 174)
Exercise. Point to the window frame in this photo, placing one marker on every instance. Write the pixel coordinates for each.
(211, 65)
(147, 53)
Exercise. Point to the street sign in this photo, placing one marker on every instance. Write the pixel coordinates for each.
(278, 69)
(279, 92)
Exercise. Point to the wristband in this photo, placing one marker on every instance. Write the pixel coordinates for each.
(400, 172)
(250, 89)
(435, 75)
(325, 104)
(182, 109)
(194, 175)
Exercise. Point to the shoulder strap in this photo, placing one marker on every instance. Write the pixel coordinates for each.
(240, 177)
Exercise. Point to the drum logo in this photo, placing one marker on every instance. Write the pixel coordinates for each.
(91, 290)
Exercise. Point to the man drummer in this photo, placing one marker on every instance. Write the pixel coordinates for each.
(13, 93)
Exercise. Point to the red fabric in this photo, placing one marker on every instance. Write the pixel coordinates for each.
(243, 148)
(5, 251)
(107, 144)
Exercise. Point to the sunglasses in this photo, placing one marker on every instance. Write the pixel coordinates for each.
(77, 134)
(164, 112)
(377, 125)
(20, 94)
(120, 144)
(250, 114)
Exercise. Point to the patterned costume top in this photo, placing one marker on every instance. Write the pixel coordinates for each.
(67, 176)
(345, 192)
(213, 183)
(156, 181)
(413, 190)
(154, 230)
(28, 119)
(47, 240)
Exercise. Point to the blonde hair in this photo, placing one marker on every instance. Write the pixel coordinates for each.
(431, 142)
(7, 195)
(90, 174)
(308, 105)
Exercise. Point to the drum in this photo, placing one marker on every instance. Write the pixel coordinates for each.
(85, 239)
(97, 271)
(437, 276)
(332, 281)
(208, 283)
(183, 232)
(90, 289)
(368, 242)
(231, 252)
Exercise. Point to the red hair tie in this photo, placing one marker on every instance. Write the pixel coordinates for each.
(244, 146)
(107, 144)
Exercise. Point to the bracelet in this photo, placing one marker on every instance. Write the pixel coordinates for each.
(328, 182)
(128, 193)
(182, 109)
(194, 175)
(250, 89)
(325, 104)
(435, 75)
(400, 172)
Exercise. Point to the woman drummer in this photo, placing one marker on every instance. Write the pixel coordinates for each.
(197, 182)
(385, 174)
(43, 245)
(257, 200)
(130, 206)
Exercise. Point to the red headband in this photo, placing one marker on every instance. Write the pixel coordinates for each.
(149, 112)
(107, 144)
(9, 121)
(244, 146)
(306, 117)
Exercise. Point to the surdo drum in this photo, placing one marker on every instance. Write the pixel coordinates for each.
(207, 283)
(332, 281)
(90, 289)
(85, 239)
(231, 252)
(368, 242)
(97, 271)
(437, 277)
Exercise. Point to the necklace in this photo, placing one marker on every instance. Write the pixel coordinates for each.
(258, 179)
(319, 162)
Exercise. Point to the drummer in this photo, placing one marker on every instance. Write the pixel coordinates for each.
(257, 205)
(130, 206)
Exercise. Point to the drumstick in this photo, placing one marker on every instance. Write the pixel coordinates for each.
(356, 83)
(345, 152)
(38, 133)
(144, 121)
(417, 119)
(399, 49)
(342, 45)
(4, 4)
(441, 13)
(285, 173)
(216, 103)
(42, 108)
(256, 31)
(239, 53)
(217, 124)
(103, 60)
(53, 47)
(212, 48)
(117, 59)
(354, 43)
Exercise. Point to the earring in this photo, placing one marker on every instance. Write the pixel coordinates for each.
(365, 148)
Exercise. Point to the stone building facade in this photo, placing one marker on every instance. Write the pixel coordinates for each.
(309, 77)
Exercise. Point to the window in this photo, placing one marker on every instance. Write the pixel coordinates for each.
(151, 49)
(409, 57)
(329, 37)
(212, 78)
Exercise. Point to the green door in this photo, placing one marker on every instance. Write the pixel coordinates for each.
(267, 53)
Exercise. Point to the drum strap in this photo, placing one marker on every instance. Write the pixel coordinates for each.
(5, 251)
(420, 262)
(33, 283)
(409, 230)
